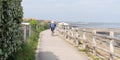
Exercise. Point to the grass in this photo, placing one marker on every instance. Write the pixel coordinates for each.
(93, 57)
(27, 52)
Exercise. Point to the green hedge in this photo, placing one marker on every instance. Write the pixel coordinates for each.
(10, 19)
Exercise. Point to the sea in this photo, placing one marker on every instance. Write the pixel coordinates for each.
(99, 25)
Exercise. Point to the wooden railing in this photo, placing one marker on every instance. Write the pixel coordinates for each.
(107, 47)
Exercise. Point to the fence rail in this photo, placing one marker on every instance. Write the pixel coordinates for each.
(107, 47)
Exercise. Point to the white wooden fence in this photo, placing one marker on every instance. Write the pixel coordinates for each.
(106, 47)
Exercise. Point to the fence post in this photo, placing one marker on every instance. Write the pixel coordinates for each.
(111, 34)
(94, 42)
(66, 32)
(72, 33)
(111, 46)
(84, 39)
(76, 37)
(29, 30)
(24, 32)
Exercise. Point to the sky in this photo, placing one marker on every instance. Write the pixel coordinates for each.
(73, 10)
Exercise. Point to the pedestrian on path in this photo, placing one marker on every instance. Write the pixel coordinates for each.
(52, 26)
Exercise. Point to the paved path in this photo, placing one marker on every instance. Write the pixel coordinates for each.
(55, 48)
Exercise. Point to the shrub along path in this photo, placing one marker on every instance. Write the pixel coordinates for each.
(55, 48)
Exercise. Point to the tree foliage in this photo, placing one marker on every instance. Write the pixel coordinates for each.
(10, 35)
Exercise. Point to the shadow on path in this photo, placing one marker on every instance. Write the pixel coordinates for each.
(54, 35)
(47, 56)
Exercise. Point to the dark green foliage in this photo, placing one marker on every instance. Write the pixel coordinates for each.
(10, 19)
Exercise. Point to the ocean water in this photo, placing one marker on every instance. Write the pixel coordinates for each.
(99, 25)
(102, 25)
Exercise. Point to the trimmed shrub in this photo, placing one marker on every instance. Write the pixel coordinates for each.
(10, 19)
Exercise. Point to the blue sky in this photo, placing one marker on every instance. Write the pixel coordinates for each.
(73, 10)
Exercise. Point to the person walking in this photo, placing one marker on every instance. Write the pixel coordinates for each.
(52, 26)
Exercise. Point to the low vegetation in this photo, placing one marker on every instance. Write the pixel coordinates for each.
(27, 52)
(93, 57)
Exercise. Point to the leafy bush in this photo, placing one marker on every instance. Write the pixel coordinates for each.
(10, 19)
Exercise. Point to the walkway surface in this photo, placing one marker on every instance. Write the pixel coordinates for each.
(55, 48)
